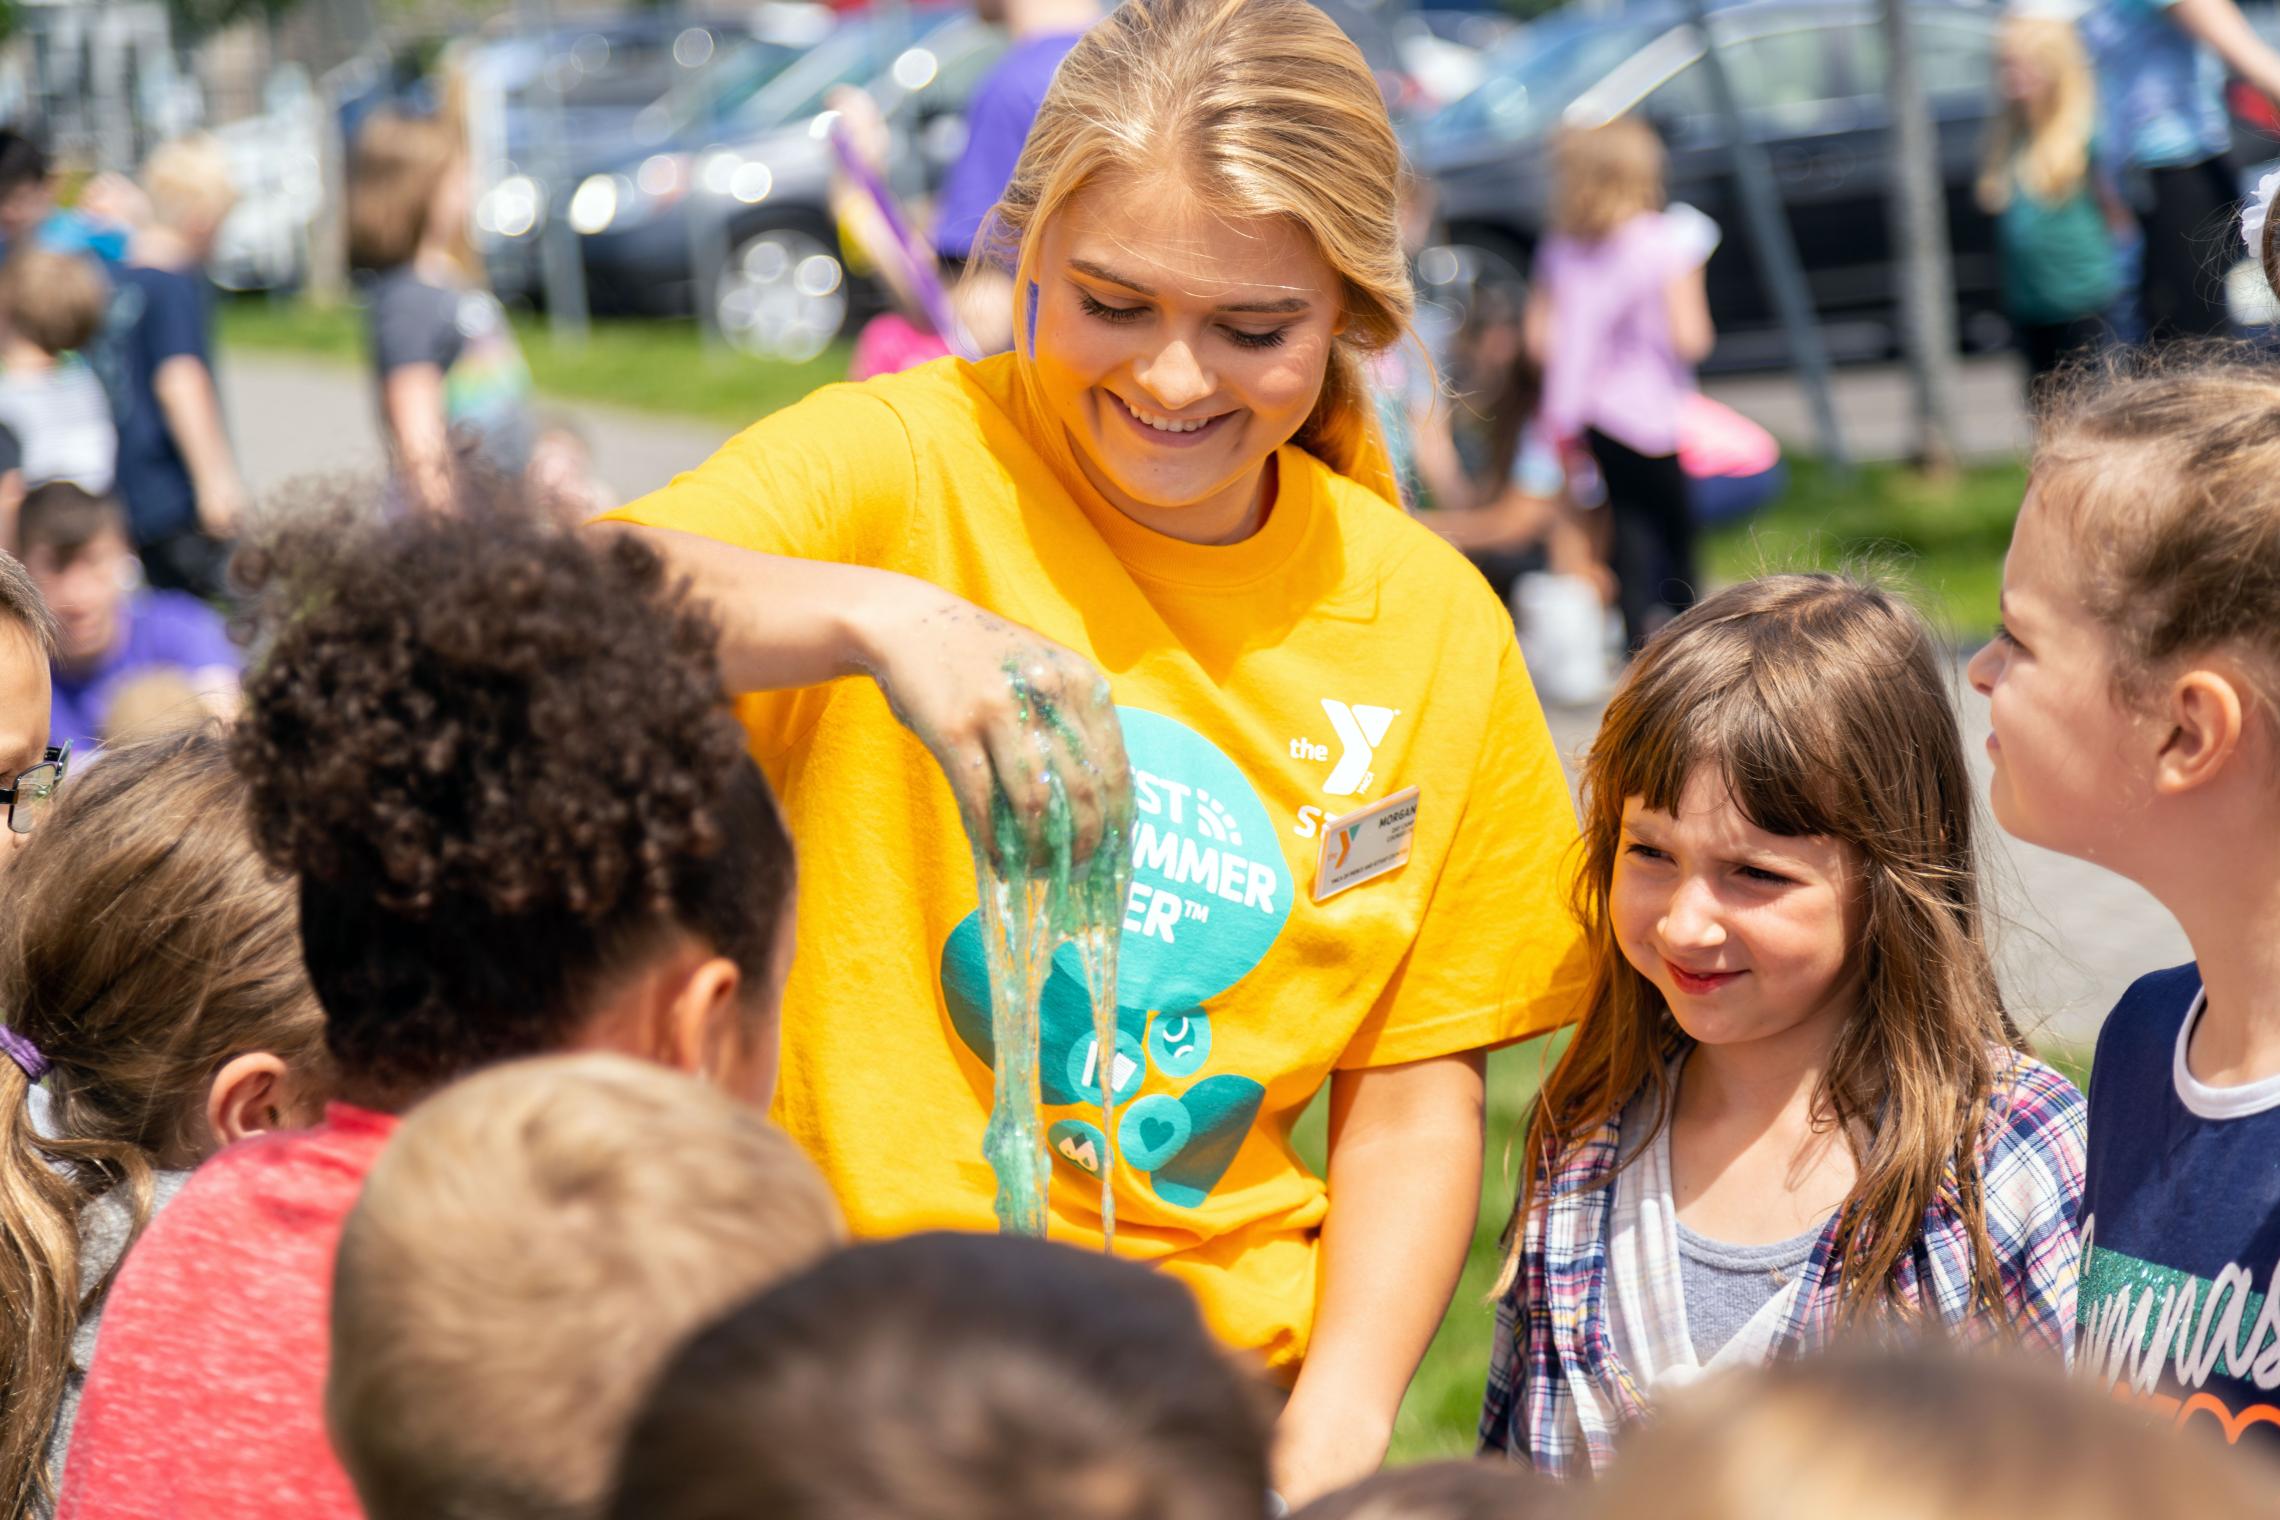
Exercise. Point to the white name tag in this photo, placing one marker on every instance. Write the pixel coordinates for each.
(1366, 844)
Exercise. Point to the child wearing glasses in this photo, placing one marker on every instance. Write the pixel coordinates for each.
(27, 644)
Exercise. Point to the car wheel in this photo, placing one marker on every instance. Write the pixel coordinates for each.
(782, 295)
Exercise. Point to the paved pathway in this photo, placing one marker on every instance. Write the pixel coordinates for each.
(2070, 938)
(1876, 409)
(299, 417)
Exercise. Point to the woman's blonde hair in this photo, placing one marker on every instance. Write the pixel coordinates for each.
(143, 945)
(2042, 144)
(1921, 1434)
(1264, 109)
(1603, 176)
(1822, 703)
(398, 162)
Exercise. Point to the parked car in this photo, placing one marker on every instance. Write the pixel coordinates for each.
(1810, 81)
(743, 224)
(645, 82)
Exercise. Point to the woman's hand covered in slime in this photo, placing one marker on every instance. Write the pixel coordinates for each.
(1025, 729)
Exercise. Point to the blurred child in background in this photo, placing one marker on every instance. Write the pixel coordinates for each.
(51, 307)
(454, 391)
(2042, 184)
(112, 631)
(532, 1245)
(1442, 1491)
(953, 1377)
(1920, 1435)
(1617, 319)
(152, 976)
(177, 474)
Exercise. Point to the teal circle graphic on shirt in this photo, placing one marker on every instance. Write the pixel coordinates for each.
(1211, 893)
(1179, 1041)
(1210, 889)
(1153, 1131)
(1078, 1143)
(1083, 1070)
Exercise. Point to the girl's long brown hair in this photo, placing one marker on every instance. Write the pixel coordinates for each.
(143, 945)
(1823, 702)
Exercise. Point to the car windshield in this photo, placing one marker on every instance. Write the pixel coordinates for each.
(855, 52)
(1534, 77)
(744, 68)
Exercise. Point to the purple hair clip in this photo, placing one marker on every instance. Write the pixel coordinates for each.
(24, 1053)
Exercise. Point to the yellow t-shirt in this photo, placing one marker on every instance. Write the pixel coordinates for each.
(1340, 654)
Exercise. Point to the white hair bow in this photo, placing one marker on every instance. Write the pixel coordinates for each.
(2252, 218)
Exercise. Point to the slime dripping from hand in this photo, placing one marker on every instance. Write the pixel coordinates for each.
(1036, 896)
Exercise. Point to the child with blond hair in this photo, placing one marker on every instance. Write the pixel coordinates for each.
(531, 1246)
(454, 391)
(2134, 695)
(51, 307)
(2042, 183)
(177, 473)
(1618, 318)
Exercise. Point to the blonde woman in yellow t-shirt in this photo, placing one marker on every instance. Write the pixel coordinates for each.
(1173, 482)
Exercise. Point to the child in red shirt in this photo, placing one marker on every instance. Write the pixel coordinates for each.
(522, 820)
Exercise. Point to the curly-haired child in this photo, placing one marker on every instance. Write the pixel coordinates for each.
(523, 821)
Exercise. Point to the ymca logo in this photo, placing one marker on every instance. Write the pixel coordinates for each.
(1346, 838)
(1360, 731)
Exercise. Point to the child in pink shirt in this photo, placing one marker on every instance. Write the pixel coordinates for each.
(1618, 319)
(437, 745)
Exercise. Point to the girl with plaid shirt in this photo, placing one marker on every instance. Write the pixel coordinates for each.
(1795, 1105)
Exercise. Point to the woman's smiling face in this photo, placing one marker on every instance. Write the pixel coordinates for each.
(1179, 349)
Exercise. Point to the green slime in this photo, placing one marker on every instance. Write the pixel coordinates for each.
(1033, 904)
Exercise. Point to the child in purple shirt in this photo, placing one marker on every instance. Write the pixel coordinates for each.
(118, 644)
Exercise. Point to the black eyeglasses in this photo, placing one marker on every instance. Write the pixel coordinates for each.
(34, 791)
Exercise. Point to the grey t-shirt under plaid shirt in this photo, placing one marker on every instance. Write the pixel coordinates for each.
(1725, 1285)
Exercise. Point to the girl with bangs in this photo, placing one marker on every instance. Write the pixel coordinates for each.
(1795, 1107)
(1145, 567)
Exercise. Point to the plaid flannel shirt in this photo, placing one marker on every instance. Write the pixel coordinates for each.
(1551, 1326)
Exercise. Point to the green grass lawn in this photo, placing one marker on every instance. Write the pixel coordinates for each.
(656, 365)
(1944, 538)
(1443, 1408)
